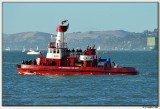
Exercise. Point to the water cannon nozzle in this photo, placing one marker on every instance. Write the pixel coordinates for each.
(64, 21)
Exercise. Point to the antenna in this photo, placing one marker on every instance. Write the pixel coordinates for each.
(52, 37)
(64, 21)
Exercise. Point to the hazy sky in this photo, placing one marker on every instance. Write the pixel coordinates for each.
(44, 17)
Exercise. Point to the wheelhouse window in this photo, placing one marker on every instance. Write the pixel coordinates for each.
(57, 50)
(54, 50)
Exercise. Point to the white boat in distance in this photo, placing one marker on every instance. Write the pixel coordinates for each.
(32, 52)
(7, 49)
(23, 50)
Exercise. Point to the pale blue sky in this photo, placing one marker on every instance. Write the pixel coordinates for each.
(44, 17)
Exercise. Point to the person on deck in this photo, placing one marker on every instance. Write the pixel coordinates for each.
(41, 55)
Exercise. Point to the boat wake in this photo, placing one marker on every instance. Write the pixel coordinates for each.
(26, 73)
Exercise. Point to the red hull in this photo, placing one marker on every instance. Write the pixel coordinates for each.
(55, 70)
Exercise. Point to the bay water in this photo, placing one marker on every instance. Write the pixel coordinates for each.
(83, 90)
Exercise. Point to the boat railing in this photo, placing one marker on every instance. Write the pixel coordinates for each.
(62, 45)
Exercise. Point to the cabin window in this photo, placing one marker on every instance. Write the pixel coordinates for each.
(54, 51)
(50, 51)
(57, 50)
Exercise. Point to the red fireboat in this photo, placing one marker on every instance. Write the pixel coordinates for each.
(62, 61)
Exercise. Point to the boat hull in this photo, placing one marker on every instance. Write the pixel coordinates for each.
(55, 70)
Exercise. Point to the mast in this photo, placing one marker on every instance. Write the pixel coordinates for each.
(60, 34)
(55, 49)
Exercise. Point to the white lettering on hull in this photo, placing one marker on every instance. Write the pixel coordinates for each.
(68, 67)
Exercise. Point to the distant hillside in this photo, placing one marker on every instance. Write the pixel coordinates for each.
(26, 39)
(110, 40)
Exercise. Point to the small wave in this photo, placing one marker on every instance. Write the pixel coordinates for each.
(136, 64)
(136, 80)
(148, 73)
(54, 76)
(9, 63)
